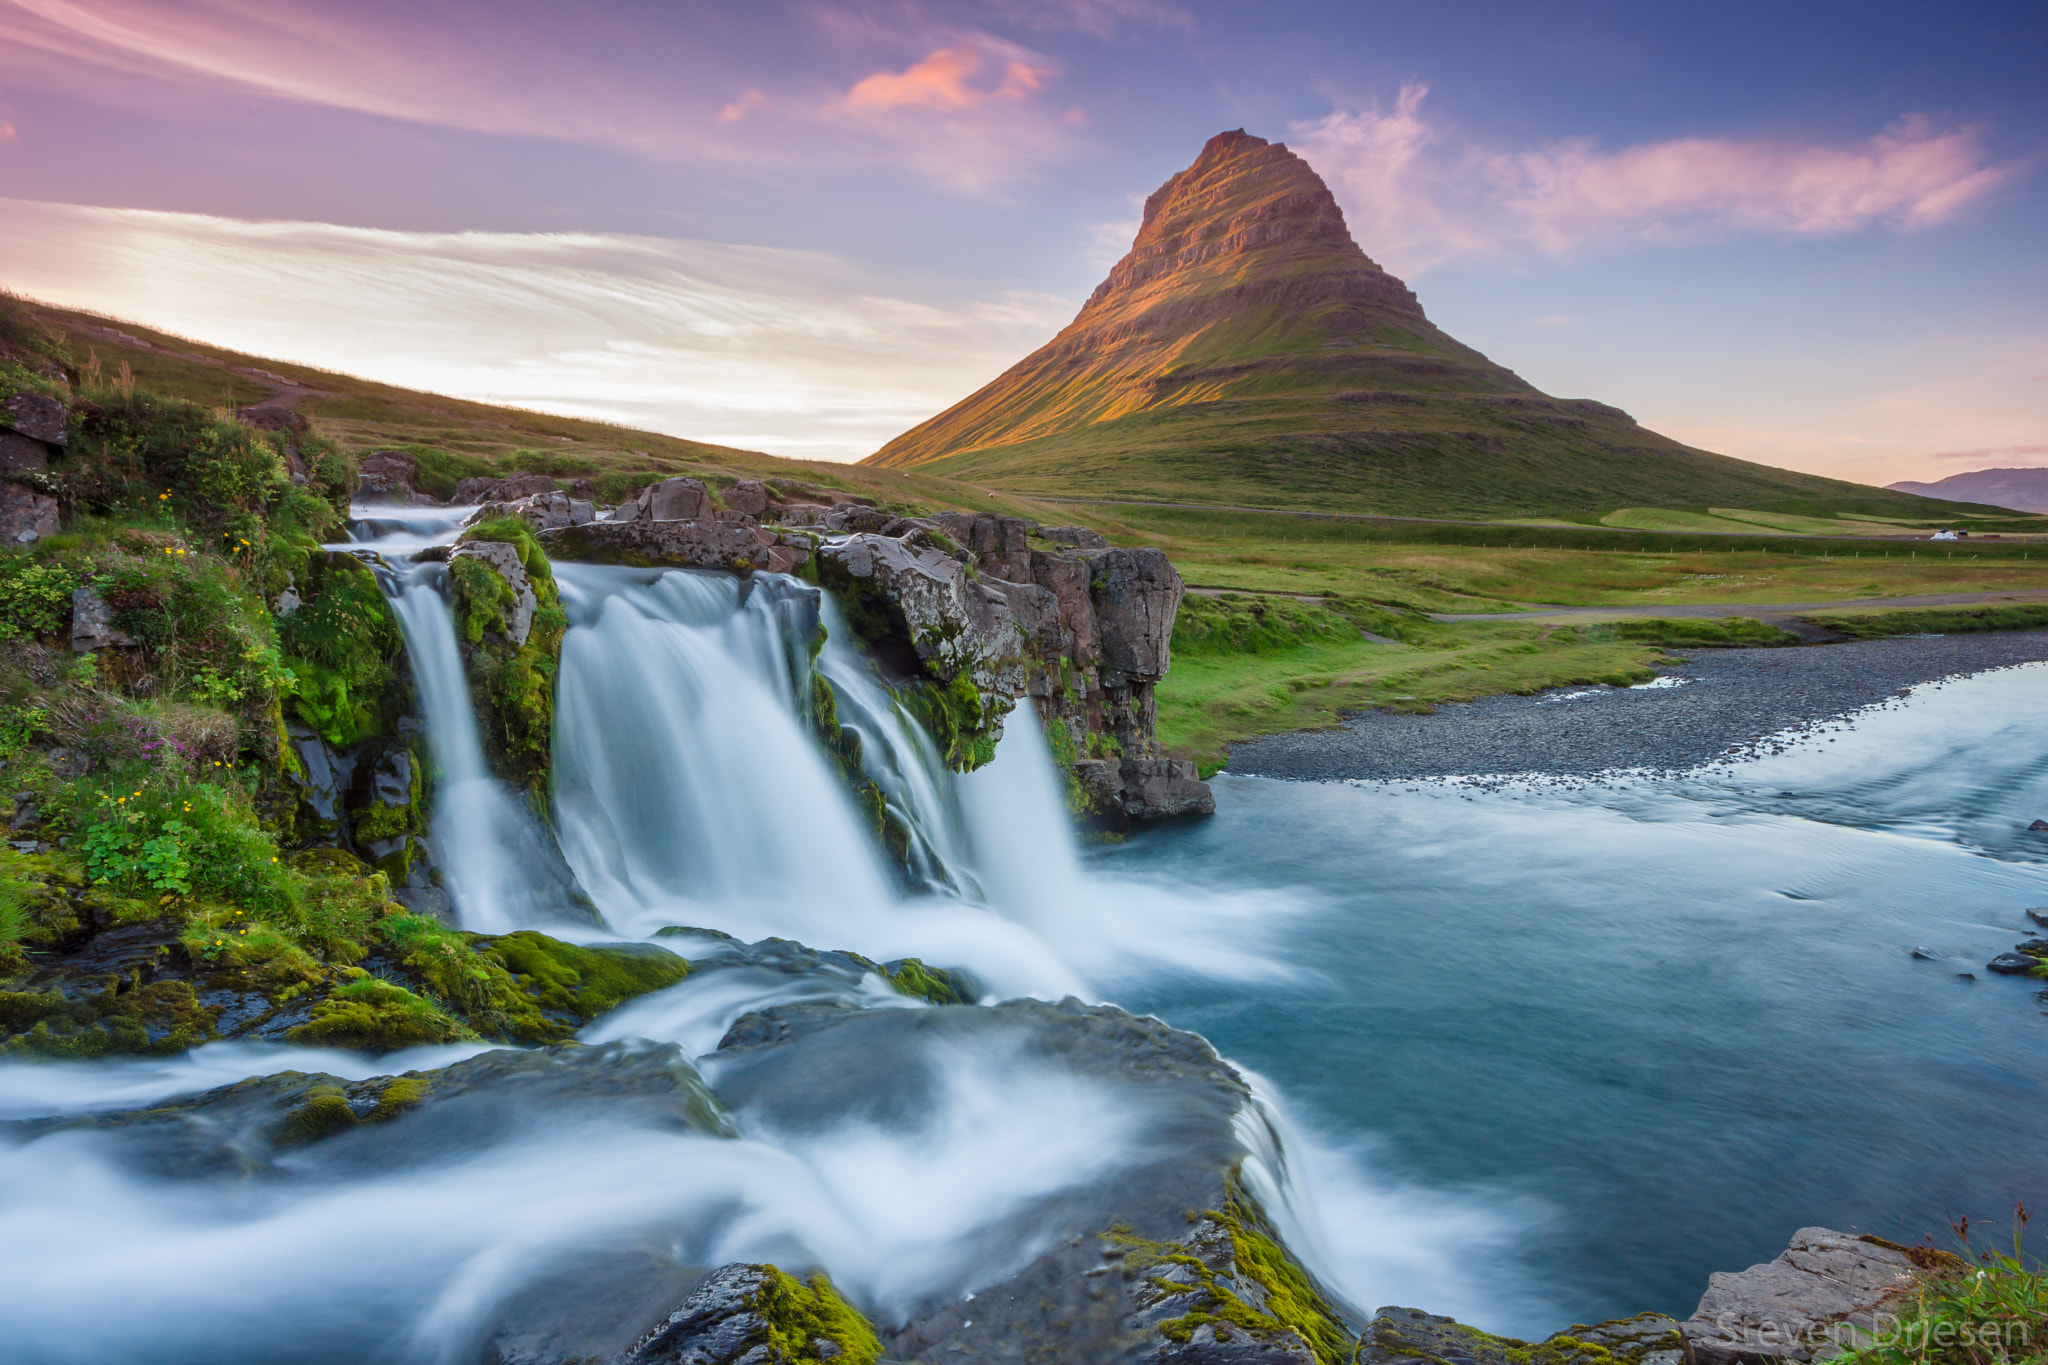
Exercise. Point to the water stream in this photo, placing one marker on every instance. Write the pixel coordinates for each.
(1523, 1056)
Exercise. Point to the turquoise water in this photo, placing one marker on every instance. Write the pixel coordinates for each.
(1640, 1032)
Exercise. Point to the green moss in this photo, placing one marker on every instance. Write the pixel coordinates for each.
(374, 1015)
(954, 716)
(580, 982)
(1292, 1304)
(513, 689)
(934, 984)
(843, 748)
(159, 1019)
(401, 1094)
(803, 1317)
(324, 1113)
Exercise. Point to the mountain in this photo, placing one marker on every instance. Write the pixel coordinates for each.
(1247, 351)
(2023, 490)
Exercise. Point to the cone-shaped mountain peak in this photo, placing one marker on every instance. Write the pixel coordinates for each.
(1243, 272)
(1245, 350)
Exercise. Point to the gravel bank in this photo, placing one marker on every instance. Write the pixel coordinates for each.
(1721, 703)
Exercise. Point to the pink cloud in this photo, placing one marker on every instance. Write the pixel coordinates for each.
(940, 82)
(1423, 193)
(741, 107)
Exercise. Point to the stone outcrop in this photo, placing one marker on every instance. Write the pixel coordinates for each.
(1826, 1291)
(388, 474)
(509, 489)
(38, 417)
(92, 623)
(669, 500)
(542, 511)
(700, 543)
(515, 612)
(33, 429)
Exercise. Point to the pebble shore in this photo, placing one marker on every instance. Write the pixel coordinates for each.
(1718, 704)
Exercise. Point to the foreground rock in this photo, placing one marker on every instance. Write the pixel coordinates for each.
(1827, 1291)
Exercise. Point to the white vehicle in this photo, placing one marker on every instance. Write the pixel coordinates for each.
(1944, 535)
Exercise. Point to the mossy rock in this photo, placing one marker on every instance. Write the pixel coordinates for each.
(373, 1015)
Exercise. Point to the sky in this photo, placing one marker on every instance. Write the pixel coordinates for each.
(1808, 234)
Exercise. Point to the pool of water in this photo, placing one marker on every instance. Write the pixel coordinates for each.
(1639, 1031)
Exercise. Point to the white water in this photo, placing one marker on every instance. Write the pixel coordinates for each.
(689, 791)
(496, 861)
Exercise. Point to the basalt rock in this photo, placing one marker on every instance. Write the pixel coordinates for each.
(515, 605)
(701, 543)
(39, 418)
(27, 514)
(387, 474)
(1821, 1296)
(669, 500)
(508, 489)
(906, 591)
(542, 511)
(92, 623)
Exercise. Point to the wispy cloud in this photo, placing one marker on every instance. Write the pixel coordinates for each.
(1421, 193)
(1995, 453)
(616, 77)
(793, 352)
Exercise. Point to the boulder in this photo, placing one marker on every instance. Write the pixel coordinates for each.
(1136, 594)
(1066, 578)
(699, 543)
(386, 474)
(92, 623)
(1159, 787)
(669, 500)
(2039, 915)
(746, 498)
(26, 514)
(39, 418)
(509, 489)
(2012, 964)
(2038, 826)
(1079, 536)
(998, 544)
(543, 511)
(516, 619)
(955, 625)
(1813, 1301)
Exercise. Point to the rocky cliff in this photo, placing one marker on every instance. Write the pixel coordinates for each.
(1246, 350)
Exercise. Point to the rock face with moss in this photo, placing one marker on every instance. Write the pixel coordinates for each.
(1098, 624)
(509, 624)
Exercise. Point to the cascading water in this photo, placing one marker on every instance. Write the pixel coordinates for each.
(496, 861)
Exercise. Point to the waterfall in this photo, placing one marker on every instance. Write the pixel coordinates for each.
(497, 863)
(900, 759)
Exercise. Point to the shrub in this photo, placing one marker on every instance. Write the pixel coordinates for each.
(35, 598)
(1994, 1312)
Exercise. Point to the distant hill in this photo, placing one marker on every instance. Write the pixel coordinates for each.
(1247, 351)
(2023, 490)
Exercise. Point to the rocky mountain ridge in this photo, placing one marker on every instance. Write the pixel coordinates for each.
(2023, 490)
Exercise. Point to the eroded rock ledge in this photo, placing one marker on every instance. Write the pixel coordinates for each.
(970, 612)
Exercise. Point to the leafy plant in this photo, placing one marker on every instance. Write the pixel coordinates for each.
(1994, 1312)
(34, 597)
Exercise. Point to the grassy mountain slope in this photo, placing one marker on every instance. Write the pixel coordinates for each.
(1247, 352)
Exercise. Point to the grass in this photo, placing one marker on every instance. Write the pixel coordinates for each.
(1985, 1307)
(1216, 695)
